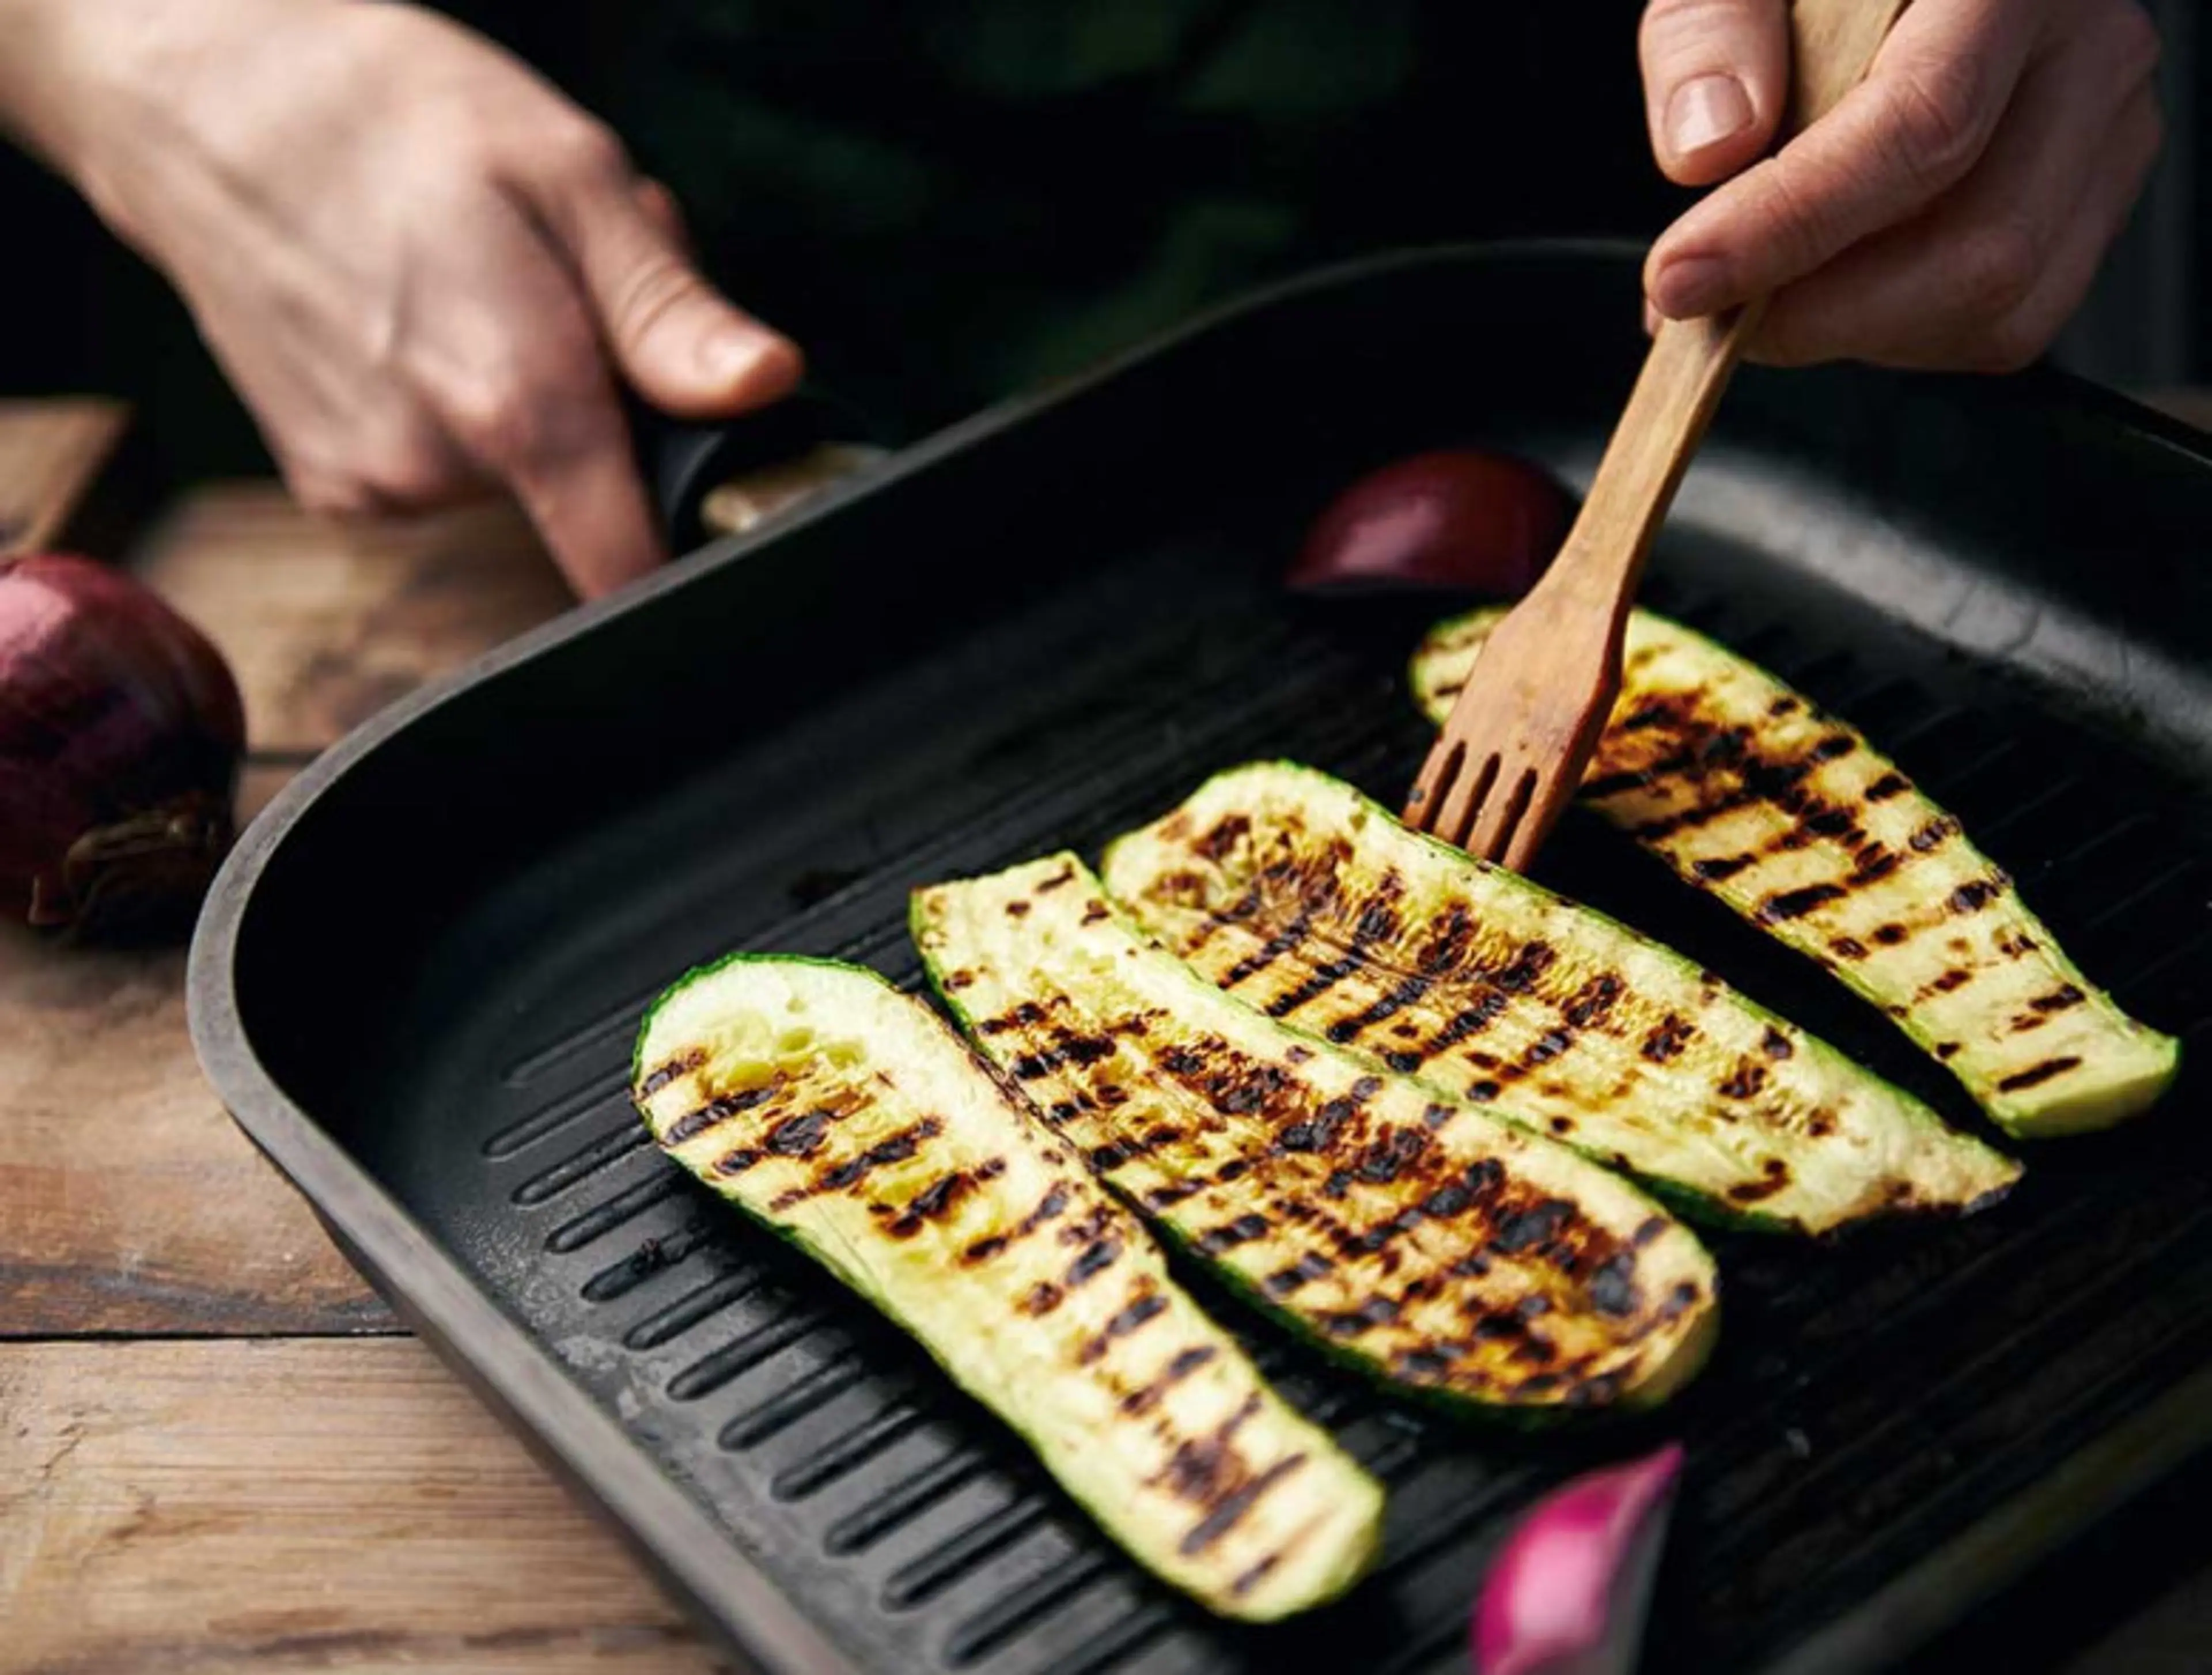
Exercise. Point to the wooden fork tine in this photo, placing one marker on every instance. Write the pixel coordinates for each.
(1439, 777)
(1549, 795)
(1472, 789)
(1512, 789)
(1529, 715)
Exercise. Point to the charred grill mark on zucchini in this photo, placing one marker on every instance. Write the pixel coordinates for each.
(1797, 904)
(1234, 1504)
(1940, 829)
(842, 1177)
(1381, 1218)
(1469, 1020)
(1266, 955)
(1408, 990)
(1213, 1475)
(2036, 1074)
(800, 1135)
(1977, 894)
(937, 1201)
(1336, 1132)
(715, 1112)
(1568, 1024)
(1591, 1004)
(1311, 1266)
(1318, 982)
(1098, 1256)
(1146, 1397)
(907, 1166)
(1774, 1177)
(682, 1064)
(1798, 825)
(1668, 1039)
(1148, 1306)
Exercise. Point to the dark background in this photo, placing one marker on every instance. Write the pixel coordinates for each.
(1515, 119)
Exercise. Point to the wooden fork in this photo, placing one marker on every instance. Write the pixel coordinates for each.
(1520, 735)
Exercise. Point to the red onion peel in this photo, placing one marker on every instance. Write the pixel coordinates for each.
(120, 736)
(1568, 1592)
(1460, 518)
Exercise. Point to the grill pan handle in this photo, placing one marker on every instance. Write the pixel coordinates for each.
(810, 433)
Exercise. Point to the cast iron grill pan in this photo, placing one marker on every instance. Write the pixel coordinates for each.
(1051, 625)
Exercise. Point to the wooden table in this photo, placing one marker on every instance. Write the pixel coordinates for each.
(217, 1450)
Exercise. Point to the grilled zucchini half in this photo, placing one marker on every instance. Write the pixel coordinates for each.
(849, 1119)
(1291, 890)
(1748, 790)
(1405, 1232)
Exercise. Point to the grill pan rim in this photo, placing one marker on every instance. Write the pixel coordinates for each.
(527, 1387)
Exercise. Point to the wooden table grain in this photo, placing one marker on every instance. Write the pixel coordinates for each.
(217, 1450)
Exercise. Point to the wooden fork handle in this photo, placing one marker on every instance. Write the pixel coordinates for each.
(1659, 430)
(1833, 43)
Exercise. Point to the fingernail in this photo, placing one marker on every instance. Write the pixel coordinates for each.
(732, 352)
(1705, 111)
(1689, 286)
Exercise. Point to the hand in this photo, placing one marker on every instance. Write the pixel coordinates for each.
(423, 268)
(1950, 212)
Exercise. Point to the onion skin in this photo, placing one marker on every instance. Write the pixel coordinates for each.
(1567, 1594)
(120, 735)
(1457, 518)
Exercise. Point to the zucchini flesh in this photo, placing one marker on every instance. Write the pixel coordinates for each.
(847, 1117)
(1294, 892)
(1746, 789)
(1402, 1230)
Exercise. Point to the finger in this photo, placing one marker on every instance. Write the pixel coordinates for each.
(1715, 76)
(346, 446)
(1891, 147)
(2014, 342)
(550, 427)
(336, 496)
(387, 466)
(583, 495)
(517, 375)
(686, 348)
(1929, 296)
(1931, 293)
(667, 215)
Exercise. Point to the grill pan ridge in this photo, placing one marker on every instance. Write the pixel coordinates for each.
(416, 982)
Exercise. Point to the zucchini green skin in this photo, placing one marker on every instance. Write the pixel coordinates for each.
(1748, 790)
(848, 1118)
(1299, 896)
(1400, 1230)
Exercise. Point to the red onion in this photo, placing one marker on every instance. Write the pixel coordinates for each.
(1568, 1594)
(1457, 517)
(120, 734)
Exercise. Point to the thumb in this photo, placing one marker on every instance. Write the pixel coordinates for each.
(1715, 76)
(662, 209)
(680, 343)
